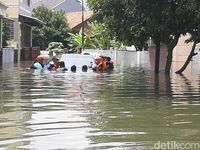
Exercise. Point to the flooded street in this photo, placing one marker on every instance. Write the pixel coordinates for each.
(130, 108)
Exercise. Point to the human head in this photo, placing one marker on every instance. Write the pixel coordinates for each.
(99, 59)
(84, 68)
(55, 59)
(40, 58)
(108, 58)
(62, 64)
(73, 68)
(94, 67)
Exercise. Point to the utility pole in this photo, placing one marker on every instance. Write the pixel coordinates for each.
(82, 47)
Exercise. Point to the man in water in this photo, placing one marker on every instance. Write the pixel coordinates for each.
(54, 64)
(73, 68)
(84, 68)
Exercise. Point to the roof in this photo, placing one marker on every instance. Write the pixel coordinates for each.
(30, 20)
(69, 6)
(47, 3)
(8, 19)
(75, 18)
(61, 5)
(3, 4)
(3, 9)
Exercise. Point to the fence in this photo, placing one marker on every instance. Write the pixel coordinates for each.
(29, 53)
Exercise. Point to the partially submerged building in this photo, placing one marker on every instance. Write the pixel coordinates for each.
(3, 8)
(20, 30)
(6, 54)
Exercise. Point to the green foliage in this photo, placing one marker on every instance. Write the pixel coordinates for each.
(5, 33)
(134, 21)
(56, 47)
(55, 28)
(76, 41)
(118, 17)
(102, 37)
(99, 37)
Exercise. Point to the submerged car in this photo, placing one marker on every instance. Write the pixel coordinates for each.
(78, 60)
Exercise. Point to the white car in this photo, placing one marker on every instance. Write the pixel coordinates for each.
(78, 60)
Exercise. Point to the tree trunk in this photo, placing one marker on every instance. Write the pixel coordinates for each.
(188, 59)
(169, 60)
(157, 57)
(170, 48)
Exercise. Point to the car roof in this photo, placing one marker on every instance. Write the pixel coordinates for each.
(77, 59)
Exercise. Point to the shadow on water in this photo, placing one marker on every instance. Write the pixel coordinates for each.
(130, 108)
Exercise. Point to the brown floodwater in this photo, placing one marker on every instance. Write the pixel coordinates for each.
(129, 108)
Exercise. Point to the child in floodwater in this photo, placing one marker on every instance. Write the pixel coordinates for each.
(38, 63)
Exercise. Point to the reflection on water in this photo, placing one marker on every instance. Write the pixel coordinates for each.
(131, 108)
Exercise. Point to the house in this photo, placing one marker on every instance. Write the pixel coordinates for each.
(6, 54)
(20, 35)
(69, 6)
(61, 5)
(3, 8)
(75, 20)
(74, 11)
(50, 4)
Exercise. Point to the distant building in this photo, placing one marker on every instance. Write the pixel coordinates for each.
(69, 6)
(75, 20)
(61, 5)
(50, 4)
(73, 11)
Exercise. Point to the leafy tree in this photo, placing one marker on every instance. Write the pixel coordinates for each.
(56, 47)
(75, 41)
(54, 29)
(102, 37)
(134, 21)
(118, 17)
(5, 34)
(195, 38)
(99, 37)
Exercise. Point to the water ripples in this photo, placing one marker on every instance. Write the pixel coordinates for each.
(128, 109)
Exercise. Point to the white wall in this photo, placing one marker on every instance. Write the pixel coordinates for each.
(25, 9)
(8, 56)
(2, 10)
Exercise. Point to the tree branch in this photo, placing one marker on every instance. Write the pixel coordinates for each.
(188, 59)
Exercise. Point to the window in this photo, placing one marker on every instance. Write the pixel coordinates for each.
(8, 29)
(11, 26)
